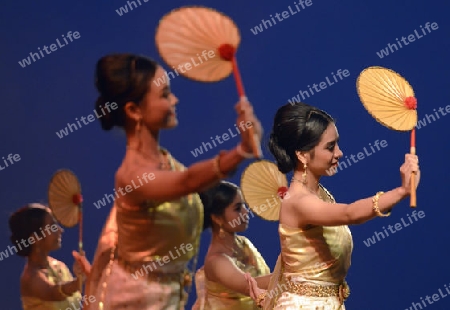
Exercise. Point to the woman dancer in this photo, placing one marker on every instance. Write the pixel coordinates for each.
(46, 283)
(220, 283)
(316, 244)
(157, 224)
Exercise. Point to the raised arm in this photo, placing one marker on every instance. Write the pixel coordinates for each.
(312, 210)
(169, 185)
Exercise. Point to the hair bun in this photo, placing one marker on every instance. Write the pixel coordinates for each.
(121, 78)
(105, 116)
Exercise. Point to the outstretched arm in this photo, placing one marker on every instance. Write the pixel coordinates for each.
(309, 209)
(220, 268)
(37, 285)
(169, 185)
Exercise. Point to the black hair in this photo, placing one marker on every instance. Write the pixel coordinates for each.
(23, 223)
(121, 78)
(216, 199)
(296, 127)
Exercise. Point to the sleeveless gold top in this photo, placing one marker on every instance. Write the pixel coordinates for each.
(316, 255)
(154, 241)
(157, 230)
(58, 273)
(214, 296)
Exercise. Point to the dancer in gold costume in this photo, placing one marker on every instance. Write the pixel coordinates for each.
(220, 283)
(46, 283)
(152, 235)
(316, 243)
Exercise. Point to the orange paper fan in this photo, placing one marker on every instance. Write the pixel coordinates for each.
(389, 98)
(65, 200)
(263, 187)
(200, 43)
(186, 35)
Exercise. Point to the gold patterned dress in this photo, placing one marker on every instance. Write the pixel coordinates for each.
(142, 259)
(311, 269)
(214, 296)
(57, 273)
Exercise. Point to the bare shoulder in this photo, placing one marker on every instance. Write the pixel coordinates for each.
(30, 279)
(289, 214)
(133, 169)
(25, 280)
(215, 261)
(132, 174)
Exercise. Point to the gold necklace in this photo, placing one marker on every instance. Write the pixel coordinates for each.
(163, 165)
(236, 254)
(321, 188)
(297, 180)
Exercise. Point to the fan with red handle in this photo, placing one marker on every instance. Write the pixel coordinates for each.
(202, 43)
(390, 99)
(65, 201)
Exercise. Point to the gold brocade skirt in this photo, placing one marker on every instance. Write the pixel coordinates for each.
(124, 290)
(291, 301)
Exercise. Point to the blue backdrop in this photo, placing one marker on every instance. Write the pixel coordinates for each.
(276, 62)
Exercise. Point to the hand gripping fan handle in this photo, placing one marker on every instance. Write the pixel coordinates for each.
(80, 279)
(413, 202)
(256, 144)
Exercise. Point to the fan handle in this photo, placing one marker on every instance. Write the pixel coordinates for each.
(413, 202)
(78, 200)
(227, 52)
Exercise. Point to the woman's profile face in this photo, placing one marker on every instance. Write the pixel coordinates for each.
(51, 231)
(158, 105)
(327, 153)
(235, 215)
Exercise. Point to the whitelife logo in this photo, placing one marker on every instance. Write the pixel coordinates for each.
(204, 147)
(71, 36)
(411, 38)
(394, 228)
(186, 66)
(161, 262)
(90, 118)
(323, 85)
(128, 189)
(31, 240)
(11, 158)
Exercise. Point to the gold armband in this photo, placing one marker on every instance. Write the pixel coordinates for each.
(217, 170)
(375, 205)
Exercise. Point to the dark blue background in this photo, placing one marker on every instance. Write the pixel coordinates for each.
(42, 98)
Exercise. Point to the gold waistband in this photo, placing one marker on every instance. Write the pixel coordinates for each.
(341, 291)
(149, 270)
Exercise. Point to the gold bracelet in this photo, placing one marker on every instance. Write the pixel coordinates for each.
(61, 291)
(217, 167)
(375, 205)
(260, 299)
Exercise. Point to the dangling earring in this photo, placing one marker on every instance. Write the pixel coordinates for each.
(137, 133)
(221, 232)
(305, 167)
